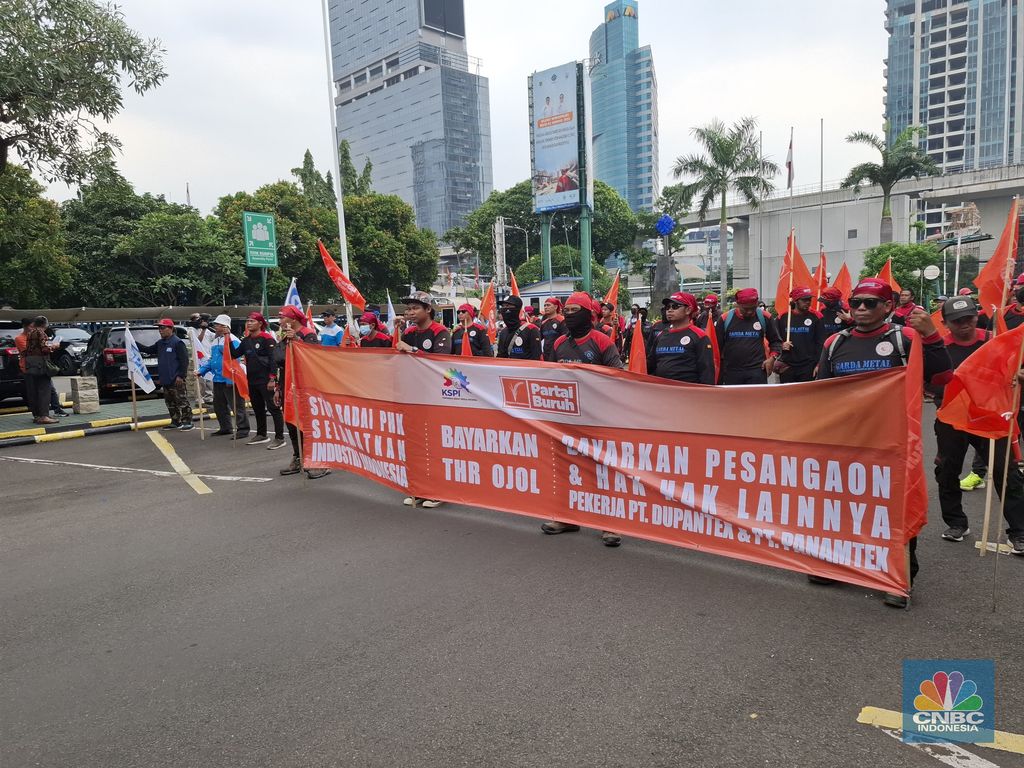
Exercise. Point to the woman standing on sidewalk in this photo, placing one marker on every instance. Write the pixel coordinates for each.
(38, 371)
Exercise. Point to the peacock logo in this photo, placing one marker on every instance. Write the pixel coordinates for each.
(949, 700)
(948, 692)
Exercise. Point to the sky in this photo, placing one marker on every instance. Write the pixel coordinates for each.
(246, 91)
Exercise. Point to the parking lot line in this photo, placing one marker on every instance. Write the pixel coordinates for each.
(156, 472)
(888, 719)
(177, 464)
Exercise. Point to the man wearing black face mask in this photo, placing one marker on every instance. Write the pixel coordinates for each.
(1014, 314)
(517, 340)
(834, 316)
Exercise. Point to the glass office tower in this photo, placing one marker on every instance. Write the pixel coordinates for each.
(412, 101)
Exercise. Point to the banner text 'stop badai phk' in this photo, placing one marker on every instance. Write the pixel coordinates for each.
(805, 477)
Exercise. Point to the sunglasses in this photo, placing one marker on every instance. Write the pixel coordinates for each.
(673, 305)
(866, 303)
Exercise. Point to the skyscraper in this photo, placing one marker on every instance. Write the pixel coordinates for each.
(955, 67)
(624, 107)
(412, 101)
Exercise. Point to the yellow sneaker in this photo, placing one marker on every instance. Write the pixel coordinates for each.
(972, 482)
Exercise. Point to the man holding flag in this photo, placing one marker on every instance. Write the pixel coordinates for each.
(800, 352)
(470, 332)
(224, 398)
(172, 367)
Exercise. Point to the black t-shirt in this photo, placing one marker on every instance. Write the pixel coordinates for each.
(550, 330)
(805, 332)
(375, 339)
(595, 348)
(878, 350)
(742, 342)
(682, 355)
(478, 341)
(958, 353)
(434, 339)
(259, 356)
(521, 342)
(831, 322)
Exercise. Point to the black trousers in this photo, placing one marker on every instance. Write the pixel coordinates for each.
(745, 376)
(37, 393)
(222, 406)
(949, 462)
(262, 401)
(293, 433)
(791, 375)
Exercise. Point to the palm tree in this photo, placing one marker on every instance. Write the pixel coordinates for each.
(902, 160)
(731, 162)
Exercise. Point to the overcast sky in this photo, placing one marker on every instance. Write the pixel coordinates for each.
(246, 88)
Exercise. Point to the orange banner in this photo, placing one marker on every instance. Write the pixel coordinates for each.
(688, 465)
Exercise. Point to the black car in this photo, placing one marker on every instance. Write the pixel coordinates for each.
(12, 382)
(105, 356)
(73, 343)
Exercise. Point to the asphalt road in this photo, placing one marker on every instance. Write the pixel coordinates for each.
(322, 623)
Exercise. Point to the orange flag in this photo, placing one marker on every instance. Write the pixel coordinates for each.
(396, 336)
(713, 337)
(513, 285)
(467, 350)
(996, 277)
(937, 322)
(233, 370)
(916, 504)
(487, 307)
(885, 273)
(793, 264)
(637, 349)
(612, 297)
(347, 340)
(345, 287)
(309, 314)
(843, 282)
(821, 276)
(980, 399)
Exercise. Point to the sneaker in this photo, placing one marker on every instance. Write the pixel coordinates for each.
(895, 601)
(61, 414)
(1017, 542)
(294, 468)
(823, 581)
(431, 503)
(972, 482)
(955, 533)
(276, 443)
(410, 501)
(186, 427)
(221, 432)
(242, 435)
(170, 426)
(610, 539)
(553, 526)
(316, 474)
(258, 440)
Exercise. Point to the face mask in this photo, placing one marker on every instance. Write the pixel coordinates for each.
(510, 316)
(1020, 295)
(364, 330)
(579, 323)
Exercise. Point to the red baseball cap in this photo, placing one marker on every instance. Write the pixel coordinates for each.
(467, 308)
(872, 286)
(746, 296)
(800, 292)
(831, 294)
(684, 299)
(711, 299)
(165, 322)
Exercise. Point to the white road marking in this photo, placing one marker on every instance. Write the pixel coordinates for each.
(156, 472)
(949, 754)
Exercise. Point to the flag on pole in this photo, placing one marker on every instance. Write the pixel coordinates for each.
(347, 339)
(997, 276)
(233, 369)
(716, 353)
(885, 273)
(843, 283)
(345, 287)
(487, 308)
(513, 285)
(136, 368)
(789, 162)
(637, 348)
(309, 314)
(821, 276)
(466, 350)
(292, 297)
(794, 274)
(612, 297)
(390, 324)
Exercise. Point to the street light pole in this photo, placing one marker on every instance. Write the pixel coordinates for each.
(526, 235)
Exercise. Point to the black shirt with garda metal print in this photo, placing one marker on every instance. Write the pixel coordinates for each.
(682, 355)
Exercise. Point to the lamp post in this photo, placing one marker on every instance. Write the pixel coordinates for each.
(526, 235)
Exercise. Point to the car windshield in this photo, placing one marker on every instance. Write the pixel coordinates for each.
(72, 334)
(144, 336)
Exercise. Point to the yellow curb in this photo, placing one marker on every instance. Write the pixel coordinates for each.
(111, 422)
(150, 424)
(887, 718)
(54, 437)
(23, 433)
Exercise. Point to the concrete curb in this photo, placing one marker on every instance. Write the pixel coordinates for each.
(72, 431)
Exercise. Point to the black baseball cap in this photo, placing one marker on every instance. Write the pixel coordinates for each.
(959, 306)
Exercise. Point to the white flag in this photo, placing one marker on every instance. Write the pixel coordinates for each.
(136, 368)
(196, 346)
(391, 316)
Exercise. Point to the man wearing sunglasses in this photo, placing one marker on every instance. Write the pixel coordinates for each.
(742, 333)
(682, 351)
(801, 351)
(469, 330)
(872, 345)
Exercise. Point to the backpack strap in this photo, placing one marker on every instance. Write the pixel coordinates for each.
(728, 319)
(840, 336)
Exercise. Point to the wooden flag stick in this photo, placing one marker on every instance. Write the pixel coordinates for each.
(988, 497)
(792, 266)
(135, 409)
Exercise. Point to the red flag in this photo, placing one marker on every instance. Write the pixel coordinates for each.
(467, 350)
(980, 399)
(843, 283)
(885, 273)
(821, 276)
(514, 286)
(396, 335)
(345, 286)
(233, 370)
(793, 264)
(347, 339)
(612, 297)
(916, 504)
(940, 326)
(637, 350)
(487, 307)
(309, 314)
(713, 337)
(996, 277)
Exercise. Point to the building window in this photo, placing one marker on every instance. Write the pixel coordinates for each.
(851, 234)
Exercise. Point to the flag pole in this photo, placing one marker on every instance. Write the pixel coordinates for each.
(791, 177)
(760, 223)
(234, 412)
(135, 410)
(789, 312)
(821, 193)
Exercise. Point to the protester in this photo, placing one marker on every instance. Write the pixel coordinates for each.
(634, 316)
(38, 370)
(742, 333)
(370, 332)
(423, 336)
(468, 327)
(200, 321)
(611, 324)
(873, 345)
(552, 326)
(518, 340)
(583, 344)
(257, 347)
(642, 325)
(834, 316)
(905, 307)
(1014, 314)
(682, 351)
(225, 400)
(709, 308)
(331, 333)
(530, 312)
(295, 328)
(801, 351)
(172, 360)
(983, 321)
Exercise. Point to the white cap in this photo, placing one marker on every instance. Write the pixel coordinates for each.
(222, 320)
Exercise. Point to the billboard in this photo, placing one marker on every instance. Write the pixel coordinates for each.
(557, 112)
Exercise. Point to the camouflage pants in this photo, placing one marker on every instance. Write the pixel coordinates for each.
(178, 405)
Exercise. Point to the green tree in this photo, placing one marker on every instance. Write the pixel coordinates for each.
(174, 256)
(60, 82)
(906, 257)
(730, 162)
(565, 262)
(317, 189)
(902, 160)
(353, 182)
(34, 267)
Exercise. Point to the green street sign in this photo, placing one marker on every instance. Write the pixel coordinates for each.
(260, 239)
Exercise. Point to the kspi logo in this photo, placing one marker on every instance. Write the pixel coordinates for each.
(948, 705)
(454, 384)
(541, 395)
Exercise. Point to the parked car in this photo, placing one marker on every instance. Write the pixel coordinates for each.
(12, 382)
(73, 343)
(105, 356)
